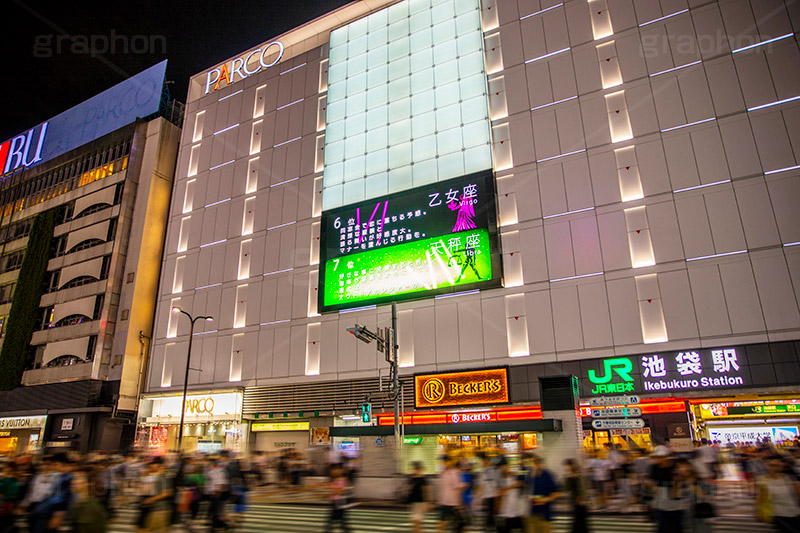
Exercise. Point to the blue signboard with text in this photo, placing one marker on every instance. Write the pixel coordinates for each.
(136, 97)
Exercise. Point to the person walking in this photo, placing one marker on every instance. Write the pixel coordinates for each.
(511, 500)
(544, 491)
(217, 487)
(448, 496)
(418, 496)
(488, 487)
(339, 491)
(87, 513)
(576, 491)
(778, 496)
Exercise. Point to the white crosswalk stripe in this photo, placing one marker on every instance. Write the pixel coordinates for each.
(293, 518)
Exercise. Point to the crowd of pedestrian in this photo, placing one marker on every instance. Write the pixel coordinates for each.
(490, 490)
(48, 493)
(678, 490)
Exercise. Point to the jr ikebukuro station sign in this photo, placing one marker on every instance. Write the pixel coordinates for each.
(689, 370)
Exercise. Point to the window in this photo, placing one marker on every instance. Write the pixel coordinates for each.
(98, 306)
(3, 325)
(79, 281)
(112, 230)
(59, 246)
(64, 360)
(70, 320)
(91, 348)
(130, 277)
(46, 317)
(118, 193)
(6, 293)
(88, 243)
(125, 314)
(92, 209)
(11, 261)
(105, 268)
(51, 281)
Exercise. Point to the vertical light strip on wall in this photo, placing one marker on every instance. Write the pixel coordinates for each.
(601, 19)
(494, 55)
(654, 329)
(245, 254)
(252, 176)
(630, 183)
(312, 348)
(323, 75)
(172, 319)
(188, 196)
(512, 260)
(506, 201)
(198, 126)
(516, 326)
(240, 309)
(255, 137)
(498, 106)
(501, 144)
(183, 234)
(166, 367)
(313, 282)
(260, 101)
(248, 215)
(618, 121)
(177, 279)
(641, 247)
(609, 65)
(237, 356)
(194, 156)
(321, 106)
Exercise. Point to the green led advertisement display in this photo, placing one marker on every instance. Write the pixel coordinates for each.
(431, 240)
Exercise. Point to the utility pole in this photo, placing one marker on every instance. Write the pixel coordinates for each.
(396, 386)
(387, 343)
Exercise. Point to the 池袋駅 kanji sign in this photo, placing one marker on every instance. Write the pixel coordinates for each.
(707, 368)
(475, 387)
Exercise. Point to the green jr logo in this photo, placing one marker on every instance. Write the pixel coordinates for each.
(623, 367)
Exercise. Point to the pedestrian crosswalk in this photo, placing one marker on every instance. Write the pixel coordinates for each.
(303, 518)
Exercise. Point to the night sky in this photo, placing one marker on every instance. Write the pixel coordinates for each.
(44, 75)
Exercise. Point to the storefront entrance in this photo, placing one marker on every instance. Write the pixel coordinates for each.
(747, 421)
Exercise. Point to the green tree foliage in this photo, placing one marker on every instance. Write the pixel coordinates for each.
(25, 303)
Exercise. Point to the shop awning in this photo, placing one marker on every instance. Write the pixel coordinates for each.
(519, 426)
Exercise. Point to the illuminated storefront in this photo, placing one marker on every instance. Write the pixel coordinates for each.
(212, 422)
(275, 436)
(741, 421)
(21, 434)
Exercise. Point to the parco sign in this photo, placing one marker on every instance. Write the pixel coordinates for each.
(244, 66)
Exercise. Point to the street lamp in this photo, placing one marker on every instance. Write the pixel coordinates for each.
(192, 320)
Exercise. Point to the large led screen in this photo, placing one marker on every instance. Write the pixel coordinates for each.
(437, 239)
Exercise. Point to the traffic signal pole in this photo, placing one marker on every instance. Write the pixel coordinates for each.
(396, 388)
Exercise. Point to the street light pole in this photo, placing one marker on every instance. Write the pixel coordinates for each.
(192, 320)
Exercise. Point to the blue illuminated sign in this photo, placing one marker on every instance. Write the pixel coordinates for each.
(136, 97)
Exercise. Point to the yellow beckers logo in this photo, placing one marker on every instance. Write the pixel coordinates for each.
(475, 387)
(433, 390)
